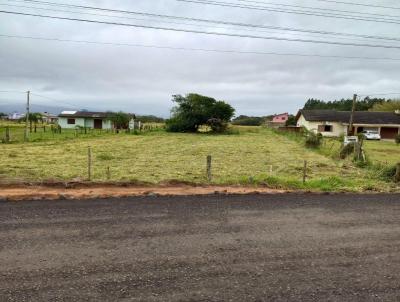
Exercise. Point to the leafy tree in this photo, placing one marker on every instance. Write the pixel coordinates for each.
(33, 118)
(119, 119)
(391, 105)
(194, 110)
(291, 120)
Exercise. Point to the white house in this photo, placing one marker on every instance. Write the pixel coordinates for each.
(84, 119)
(335, 123)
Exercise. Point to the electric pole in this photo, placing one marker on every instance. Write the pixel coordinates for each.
(353, 108)
(27, 117)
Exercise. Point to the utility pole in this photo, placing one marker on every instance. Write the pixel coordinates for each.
(27, 117)
(350, 130)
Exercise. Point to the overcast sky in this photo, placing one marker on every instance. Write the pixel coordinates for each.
(142, 80)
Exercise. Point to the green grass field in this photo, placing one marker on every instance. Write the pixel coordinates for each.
(250, 155)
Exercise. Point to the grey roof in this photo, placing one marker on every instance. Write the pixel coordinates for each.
(360, 117)
(86, 114)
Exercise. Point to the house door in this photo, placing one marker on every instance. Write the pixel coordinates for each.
(98, 124)
(389, 133)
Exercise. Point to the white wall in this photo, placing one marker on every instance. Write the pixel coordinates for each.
(63, 123)
(337, 128)
(82, 122)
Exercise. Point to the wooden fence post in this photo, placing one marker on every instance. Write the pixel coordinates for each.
(209, 175)
(89, 163)
(397, 175)
(304, 172)
(108, 173)
(7, 135)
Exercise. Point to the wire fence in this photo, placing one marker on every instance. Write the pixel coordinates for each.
(95, 165)
(44, 132)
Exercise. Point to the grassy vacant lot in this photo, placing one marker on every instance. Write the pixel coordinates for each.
(249, 156)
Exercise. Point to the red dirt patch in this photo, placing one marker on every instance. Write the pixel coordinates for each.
(86, 191)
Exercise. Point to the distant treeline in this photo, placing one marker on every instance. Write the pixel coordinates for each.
(344, 104)
(150, 119)
(244, 120)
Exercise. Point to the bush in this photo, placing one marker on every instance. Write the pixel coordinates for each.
(346, 150)
(217, 125)
(313, 140)
(397, 139)
(388, 173)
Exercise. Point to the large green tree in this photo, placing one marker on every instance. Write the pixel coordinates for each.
(194, 110)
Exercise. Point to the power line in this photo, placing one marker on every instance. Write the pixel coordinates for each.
(204, 49)
(298, 12)
(58, 101)
(211, 21)
(12, 91)
(317, 8)
(198, 25)
(245, 1)
(359, 4)
(207, 32)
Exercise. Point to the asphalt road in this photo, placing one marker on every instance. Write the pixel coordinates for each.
(212, 248)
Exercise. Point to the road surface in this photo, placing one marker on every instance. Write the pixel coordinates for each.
(289, 247)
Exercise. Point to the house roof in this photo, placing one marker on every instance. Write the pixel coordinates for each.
(360, 117)
(89, 114)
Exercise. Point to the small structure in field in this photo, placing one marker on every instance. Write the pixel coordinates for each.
(335, 123)
(279, 120)
(84, 119)
(49, 118)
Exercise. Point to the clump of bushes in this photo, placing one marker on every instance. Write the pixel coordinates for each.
(388, 173)
(217, 125)
(313, 140)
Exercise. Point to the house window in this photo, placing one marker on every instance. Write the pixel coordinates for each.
(71, 121)
(325, 128)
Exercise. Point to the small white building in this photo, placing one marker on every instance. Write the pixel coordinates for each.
(15, 116)
(84, 119)
(335, 123)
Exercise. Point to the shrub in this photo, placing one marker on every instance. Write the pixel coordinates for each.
(397, 139)
(313, 140)
(388, 173)
(217, 125)
(346, 150)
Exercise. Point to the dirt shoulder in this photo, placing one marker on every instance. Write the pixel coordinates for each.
(16, 192)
